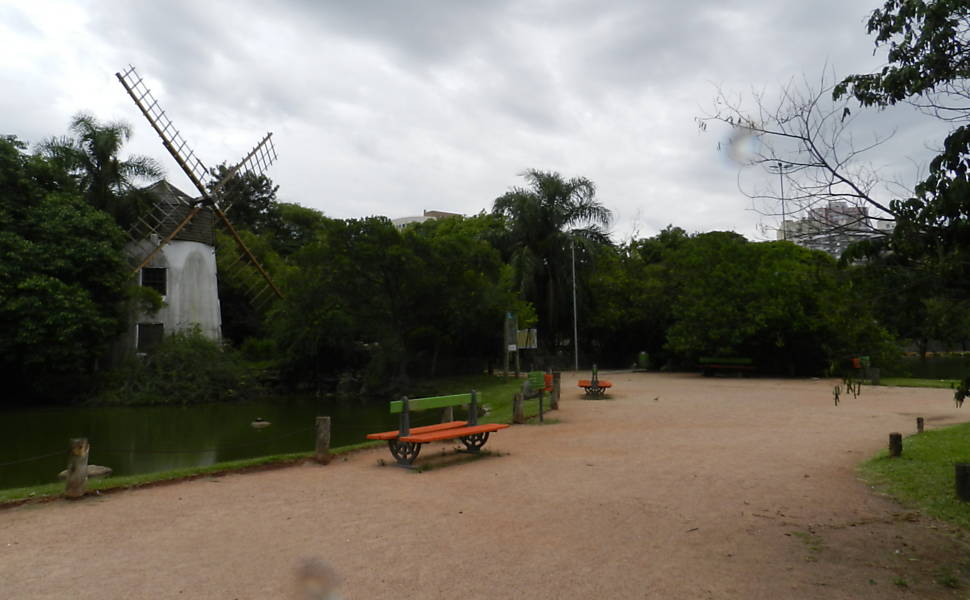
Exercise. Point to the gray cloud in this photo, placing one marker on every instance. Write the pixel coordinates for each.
(393, 107)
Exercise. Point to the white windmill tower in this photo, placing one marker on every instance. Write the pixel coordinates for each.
(173, 246)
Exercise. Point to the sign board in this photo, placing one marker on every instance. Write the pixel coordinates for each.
(527, 338)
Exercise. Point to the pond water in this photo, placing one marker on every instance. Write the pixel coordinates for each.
(147, 439)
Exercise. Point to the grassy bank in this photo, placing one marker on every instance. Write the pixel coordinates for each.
(496, 394)
(919, 382)
(923, 476)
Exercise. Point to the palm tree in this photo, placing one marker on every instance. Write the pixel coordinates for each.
(92, 156)
(545, 221)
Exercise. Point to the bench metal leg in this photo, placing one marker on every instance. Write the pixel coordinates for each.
(404, 452)
(473, 443)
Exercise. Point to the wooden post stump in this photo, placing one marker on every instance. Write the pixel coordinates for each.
(518, 416)
(962, 471)
(322, 454)
(556, 390)
(77, 468)
(919, 424)
(448, 414)
(895, 444)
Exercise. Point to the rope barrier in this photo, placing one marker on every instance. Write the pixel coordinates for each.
(32, 458)
(139, 451)
(200, 451)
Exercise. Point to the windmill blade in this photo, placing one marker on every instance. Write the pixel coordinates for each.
(195, 210)
(163, 126)
(179, 149)
(250, 258)
(256, 162)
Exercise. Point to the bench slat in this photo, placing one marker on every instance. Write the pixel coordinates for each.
(432, 402)
(584, 383)
(392, 435)
(450, 434)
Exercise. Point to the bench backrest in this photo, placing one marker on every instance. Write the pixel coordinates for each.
(405, 405)
(431, 402)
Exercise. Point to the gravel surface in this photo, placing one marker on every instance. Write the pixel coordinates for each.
(677, 486)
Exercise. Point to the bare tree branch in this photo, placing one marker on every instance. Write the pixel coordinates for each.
(824, 183)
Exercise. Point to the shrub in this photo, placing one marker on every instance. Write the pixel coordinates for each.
(186, 368)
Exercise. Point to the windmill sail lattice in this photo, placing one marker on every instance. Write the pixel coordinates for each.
(165, 222)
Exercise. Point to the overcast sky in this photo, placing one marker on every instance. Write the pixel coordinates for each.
(395, 107)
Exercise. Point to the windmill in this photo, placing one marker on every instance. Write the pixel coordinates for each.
(163, 238)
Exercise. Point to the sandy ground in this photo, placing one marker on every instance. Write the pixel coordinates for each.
(677, 487)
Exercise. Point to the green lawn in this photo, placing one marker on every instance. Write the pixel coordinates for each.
(917, 382)
(495, 393)
(923, 476)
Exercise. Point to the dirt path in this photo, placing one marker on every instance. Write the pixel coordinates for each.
(679, 487)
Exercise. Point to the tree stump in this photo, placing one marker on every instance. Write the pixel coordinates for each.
(962, 471)
(895, 445)
(919, 424)
(322, 454)
(518, 416)
(77, 468)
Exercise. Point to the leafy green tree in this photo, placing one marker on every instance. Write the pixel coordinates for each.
(928, 65)
(462, 304)
(631, 289)
(63, 280)
(92, 157)
(544, 222)
(927, 43)
(787, 307)
(294, 227)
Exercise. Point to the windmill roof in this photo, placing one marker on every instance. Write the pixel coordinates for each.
(167, 193)
(172, 205)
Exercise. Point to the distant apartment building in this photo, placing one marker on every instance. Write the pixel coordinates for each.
(428, 215)
(833, 227)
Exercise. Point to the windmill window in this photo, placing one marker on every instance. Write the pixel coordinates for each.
(149, 336)
(155, 278)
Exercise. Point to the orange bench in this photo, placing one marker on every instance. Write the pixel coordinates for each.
(405, 442)
(595, 387)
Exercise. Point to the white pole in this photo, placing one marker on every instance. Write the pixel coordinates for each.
(781, 182)
(575, 310)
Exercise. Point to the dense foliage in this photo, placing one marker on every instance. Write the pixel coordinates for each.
(680, 297)
(366, 298)
(63, 281)
(186, 368)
